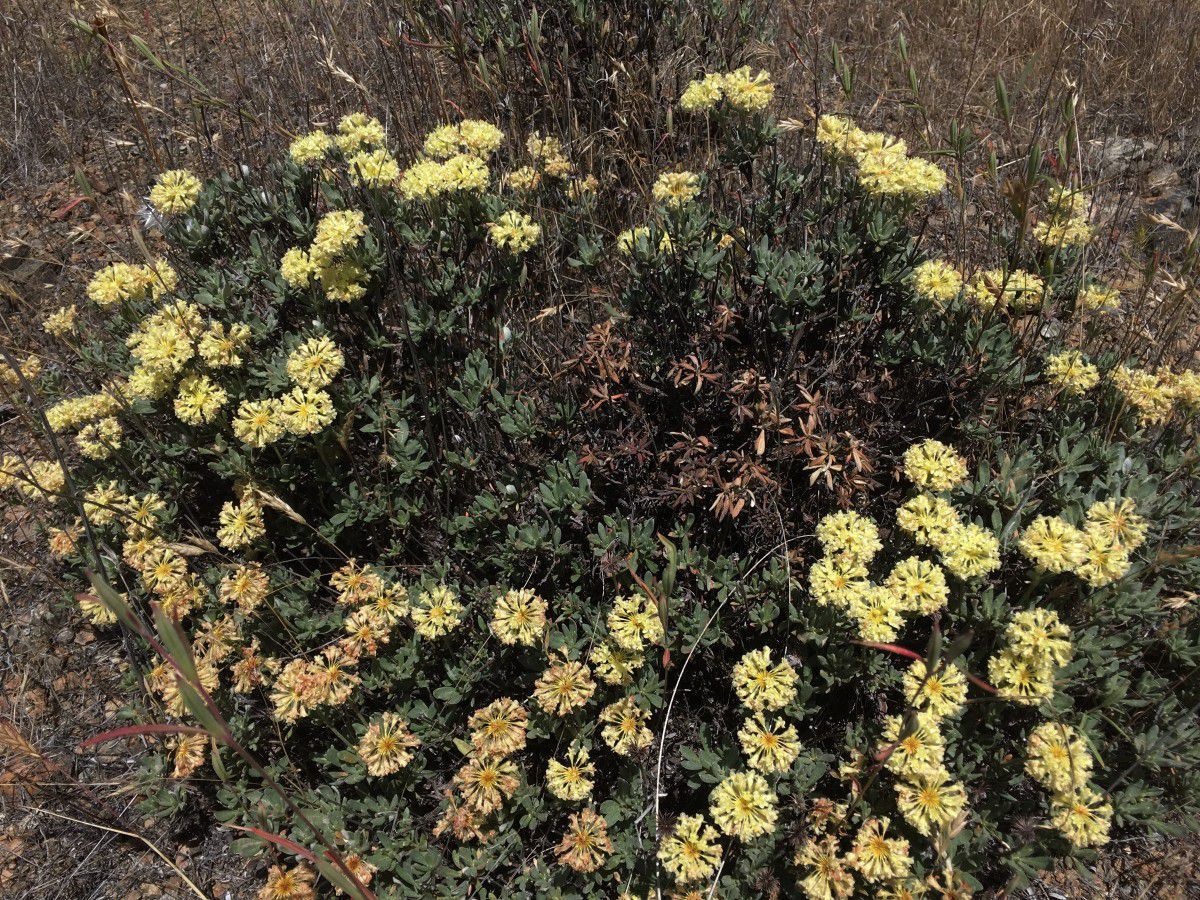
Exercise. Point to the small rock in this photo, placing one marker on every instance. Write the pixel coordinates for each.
(1163, 177)
(1132, 154)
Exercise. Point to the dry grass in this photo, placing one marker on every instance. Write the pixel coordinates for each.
(215, 85)
(210, 80)
(1129, 63)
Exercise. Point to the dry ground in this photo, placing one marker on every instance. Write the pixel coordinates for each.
(74, 160)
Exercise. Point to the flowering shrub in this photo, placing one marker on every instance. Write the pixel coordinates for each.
(714, 541)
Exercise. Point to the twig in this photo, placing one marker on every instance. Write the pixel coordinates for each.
(129, 834)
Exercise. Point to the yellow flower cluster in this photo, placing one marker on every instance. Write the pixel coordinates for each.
(329, 678)
(830, 875)
(743, 90)
(1113, 531)
(1036, 644)
(934, 466)
(1057, 758)
(1098, 298)
(524, 178)
(259, 422)
(311, 148)
(388, 745)
(429, 179)
(327, 260)
(703, 93)
(1151, 394)
(307, 409)
(72, 412)
(691, 851)
(1014, 289)
(162, 344)
(586, 844)
(241, 523)
(469, 136)
(877, 857)
(373, 168)
(744, 806)
(761, 684)
(1071, 372)
(175, 191)
(246, 587)
(1052, 544)
(634, 622)
(581, 190)
(564, 687)
(849, 536)
(639, 240)
(95, 611)
(199, 400)
(99, 440)
(770, 745)
(929, 519)
(969, 551)
(498, 729)
(1084, 817)
(28, 369)
(937, 281)
(676, 189)
(125, 283)
(315, 363)
(615, 664)
(548, 156)
(930, 800)
(514, 231)
(914, 749)
(939, 693)
(625, 726)
(914, 585)
(1065, 223)
(455, 160)
(1117, 522)
(918, 586)
(61, 322)
(357, 132)
(221, 346)
(436, 612)
(912, 745)
(883, 165)
(168, 340)
(295, 883)
(62, 542)
(1059, 233)
(1185, 386)
(1099, 553)
(32, 478)
(878, 611)
(571, 780)
(519, 617)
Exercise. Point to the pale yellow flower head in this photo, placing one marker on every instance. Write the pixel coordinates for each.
(175, 191)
